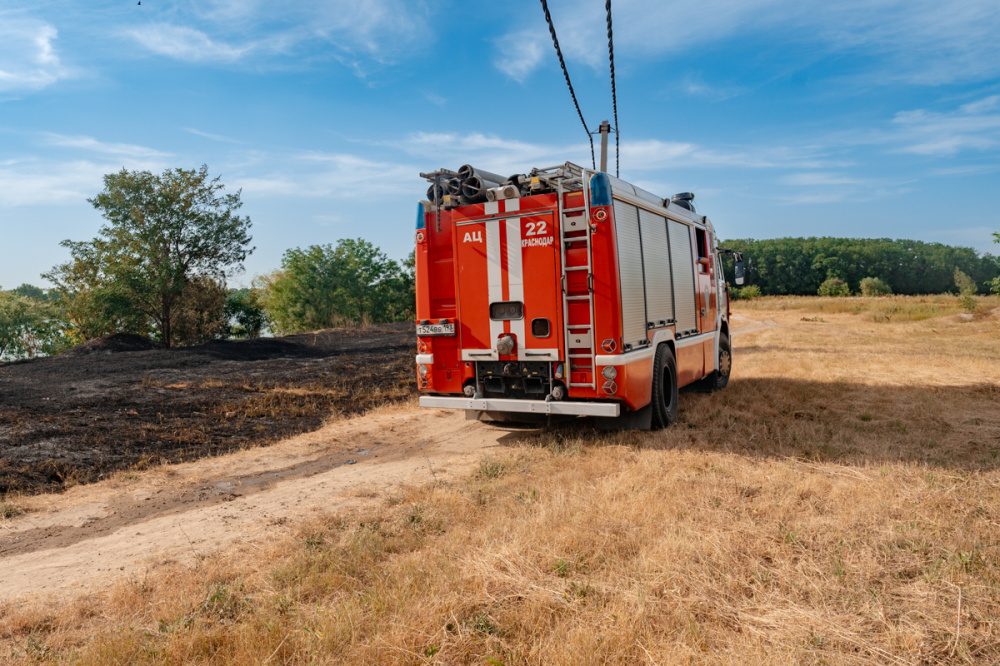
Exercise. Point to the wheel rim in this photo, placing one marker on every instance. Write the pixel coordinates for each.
(725, 362)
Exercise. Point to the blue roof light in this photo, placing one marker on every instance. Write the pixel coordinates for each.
(600, 190)
(421, 222)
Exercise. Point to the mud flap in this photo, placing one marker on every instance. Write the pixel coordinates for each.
(640, 419)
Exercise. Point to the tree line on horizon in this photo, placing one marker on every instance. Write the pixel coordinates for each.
(159, 268)
(801, 266)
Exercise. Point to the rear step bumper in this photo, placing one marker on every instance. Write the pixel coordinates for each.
(530, 406)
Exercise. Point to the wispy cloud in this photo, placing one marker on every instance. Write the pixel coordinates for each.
(184, 43)
(339, 175)
(521, 53)
(91, 144)
(358, 34)
(974, 126)
(46, 182)
(28, 58)
(213, 137)
(916, 41)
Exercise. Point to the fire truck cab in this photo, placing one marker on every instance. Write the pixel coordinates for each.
(565, 292)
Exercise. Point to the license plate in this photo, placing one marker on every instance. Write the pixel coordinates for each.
(435, 329)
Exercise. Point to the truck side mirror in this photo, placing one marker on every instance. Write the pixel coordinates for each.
(739, 269)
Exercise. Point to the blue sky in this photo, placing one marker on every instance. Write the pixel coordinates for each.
(866, 119)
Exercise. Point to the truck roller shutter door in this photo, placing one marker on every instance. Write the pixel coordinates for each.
(630, 272)
(656, 261)
(682, 265)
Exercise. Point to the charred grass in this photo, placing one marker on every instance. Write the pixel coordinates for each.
(838, 503)
(80, 418)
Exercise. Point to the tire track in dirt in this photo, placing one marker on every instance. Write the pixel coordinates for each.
(95, 534)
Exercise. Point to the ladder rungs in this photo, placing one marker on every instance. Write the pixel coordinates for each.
(576, 268)
(574, 210)
(578, 298)
(580, 356)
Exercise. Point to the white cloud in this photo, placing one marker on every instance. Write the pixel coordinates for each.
(91, 144)
(817, 178)
(338, 175)
(183, 43)
(213, 137)
(917, 41)
(970, 127)
(357, 33)
(28, 59)
(48, 182)
(521, 53)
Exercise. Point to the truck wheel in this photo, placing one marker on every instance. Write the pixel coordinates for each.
(664, 400)
(717, 379)
(721, 376)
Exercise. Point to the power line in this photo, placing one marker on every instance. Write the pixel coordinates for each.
(614, 97)
(562, 63)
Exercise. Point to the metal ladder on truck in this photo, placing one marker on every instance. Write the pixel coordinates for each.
(577, 292)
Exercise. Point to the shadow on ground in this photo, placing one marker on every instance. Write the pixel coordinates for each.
(847, 423)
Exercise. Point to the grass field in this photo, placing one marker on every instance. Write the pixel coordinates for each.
(838, 503)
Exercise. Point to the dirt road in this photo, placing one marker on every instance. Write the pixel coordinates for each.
(92, 535)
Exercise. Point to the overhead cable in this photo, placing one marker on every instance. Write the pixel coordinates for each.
(614, 97)
(562, 63)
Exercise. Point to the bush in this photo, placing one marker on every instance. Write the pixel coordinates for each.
(744, 293)
(967, 290)
(834, 286)
(873, 286)
(245, 314)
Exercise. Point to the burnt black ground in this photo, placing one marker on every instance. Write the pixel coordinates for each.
(99, 409)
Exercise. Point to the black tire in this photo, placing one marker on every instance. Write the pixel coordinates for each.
(664, 402)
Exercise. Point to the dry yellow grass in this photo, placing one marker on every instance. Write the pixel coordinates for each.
(839, 503)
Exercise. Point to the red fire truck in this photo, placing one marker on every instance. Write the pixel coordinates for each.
(566, 291)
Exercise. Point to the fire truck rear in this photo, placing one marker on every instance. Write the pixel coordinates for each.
(566, 291)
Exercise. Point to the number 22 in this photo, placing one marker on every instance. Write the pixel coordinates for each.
(536, 231)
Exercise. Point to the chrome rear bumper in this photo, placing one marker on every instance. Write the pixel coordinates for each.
(610, 409)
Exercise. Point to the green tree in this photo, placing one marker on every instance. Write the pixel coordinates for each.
(245, 314)
(966, 289)
(28, 327)
(324, 286)
(163, 232)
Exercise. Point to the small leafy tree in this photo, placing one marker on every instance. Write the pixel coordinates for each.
(966, 290)
(324, 286)
(873, 286)
(28, 327)
(834, 286)
(245, 314)
(163, 232)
